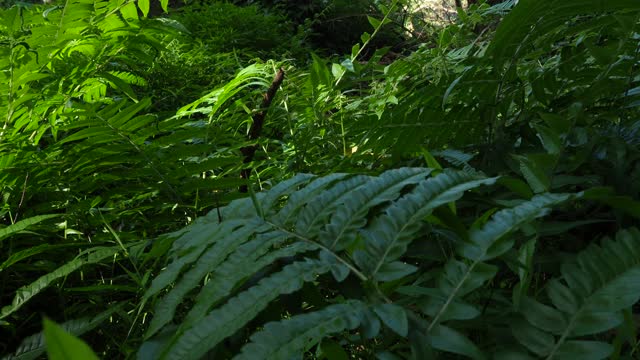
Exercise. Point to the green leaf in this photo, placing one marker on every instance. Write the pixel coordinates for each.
(534, 339)
(374, 22)
(394, 271)
(550, 139)
(33, 346)
(452, 86)
(584, 350)
(337, 70)
(355, 50)
(348, 64)
(27, 253)
(394, 317)
(562, 297)
(388, 235)
(460, 277)
(165, 5)
(365, 37)
(129, 12)
(292, 337)
(590, 323)
(534, 171)
(543, 317)
(26, 292)
(24, 224)
(119, 84)
(63, 346)
(224, 321)
(447, 339)
(332, 350)
(319, 74)
(144, 7)
(504, 222)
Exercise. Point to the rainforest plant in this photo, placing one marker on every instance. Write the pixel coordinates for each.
(475, 198)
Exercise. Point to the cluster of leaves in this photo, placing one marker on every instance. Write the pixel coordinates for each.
(522, 246)
(91, 162)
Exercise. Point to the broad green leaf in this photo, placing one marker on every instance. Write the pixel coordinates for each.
(24, 224)
(544, 317)
(129, 11)
(394, 270)
(374, 22)
(332, 350)
(447, 339)
(32, 347)
(292, 337)
(27, 253)
(550, 139)
(589, 323)
(26, 292)
(337, 70)
(562, 297)
(63, 346)
(144, 7)
(348, 64)
(355, 50)
(394, 317)
(538, 341)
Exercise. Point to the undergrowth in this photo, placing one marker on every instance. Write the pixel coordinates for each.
(475, 196)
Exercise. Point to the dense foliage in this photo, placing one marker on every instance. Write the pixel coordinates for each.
(409, 190)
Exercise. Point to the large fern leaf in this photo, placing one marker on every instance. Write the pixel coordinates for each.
(296, 335)
(23, 294)
(300, 215)
(588, 299)
(388, 235)
(227, 319)
(485, 243)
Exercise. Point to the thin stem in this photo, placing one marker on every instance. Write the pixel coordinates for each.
(357, 272)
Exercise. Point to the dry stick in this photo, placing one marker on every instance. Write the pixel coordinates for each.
(256, 128)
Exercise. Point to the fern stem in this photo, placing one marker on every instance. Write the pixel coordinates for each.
(375, 32)
(353, 269)
(564, 336)
(452, 296)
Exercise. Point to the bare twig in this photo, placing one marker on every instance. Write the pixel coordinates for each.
(256, 127)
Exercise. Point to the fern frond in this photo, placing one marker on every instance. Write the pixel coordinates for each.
(351, 214)
(239, 310)
(231, 237)
(287, 338)
(301, 198)
(388, 235)
(588, 299)
(248, 260)
(457, 158)
(23, 294)
(485, 243)
(34, 346)
(307, 214)
(313, 216)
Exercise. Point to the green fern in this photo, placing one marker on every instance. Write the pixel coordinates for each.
(334, 210)
(587, 300)
(297, 335)
(25, 293)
